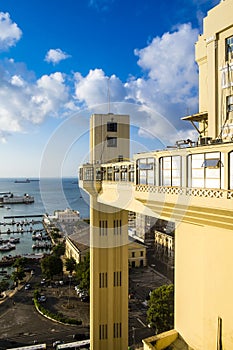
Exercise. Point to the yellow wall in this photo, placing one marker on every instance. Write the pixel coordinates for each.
(203, 285)
(136, 248)
(211, 57)
(109, 253)
(98, 145)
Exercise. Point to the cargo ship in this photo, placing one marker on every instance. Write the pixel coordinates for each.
(26, 181)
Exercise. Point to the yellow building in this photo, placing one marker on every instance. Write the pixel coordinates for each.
(75, 249)
(191, 186)
(109, 141)
(136, 253)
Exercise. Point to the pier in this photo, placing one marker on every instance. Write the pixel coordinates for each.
(23, 216)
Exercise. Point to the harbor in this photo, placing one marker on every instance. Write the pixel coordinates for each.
(25, 222)
(22, 235)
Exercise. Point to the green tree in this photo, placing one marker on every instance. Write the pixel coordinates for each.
(83, 273)
(19, 263)
(59, 249)
(18, 275)
(160, 313)
(51, 265)
(4, 285)
(70, 264)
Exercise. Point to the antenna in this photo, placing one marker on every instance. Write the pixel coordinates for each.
(108, 96)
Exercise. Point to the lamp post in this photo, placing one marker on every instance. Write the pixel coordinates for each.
(70, 278)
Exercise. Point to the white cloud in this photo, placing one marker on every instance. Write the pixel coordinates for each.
(168, 88)
(96, 88)
(17, 80)
(23, 102)
(169, 61)
(10, 33)
(55, 56)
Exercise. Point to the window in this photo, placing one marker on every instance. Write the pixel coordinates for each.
(230, 103)
(103, 228)
(141, 253)
(111, 127)
(146, 171)
(170, 171)
(88, 174)
(205, 170)
(98, 173)
(103, 331)
(103, 280)
(131, 173)
(229, 48)
(111, 141)
(124, 175)
(117, 227)
(212, 163)
(117, 279)
(230, 171)
(133, 254)
(117, 330)
(81, 174)
(109, 174)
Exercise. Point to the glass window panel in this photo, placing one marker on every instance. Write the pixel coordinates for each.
(212, 183)
(142, 177)
(222, 173)
(142, 161)
(199, 183)
(175, 173)
(212, 155)
(198, 173)
(212, 163)
(167, 173)
(167, 163)
(117, 176)
(175, 181)
(166, 182)
(231, 170)
(176, 162)
(123, 176)
(150, 177)
(213, 173)
(189, 182)
(197, 160)
(148, 166)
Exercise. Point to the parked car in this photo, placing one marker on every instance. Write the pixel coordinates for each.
(85, 298)
(27, 286)
(42, 299)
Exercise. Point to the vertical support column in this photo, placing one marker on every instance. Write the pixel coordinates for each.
(108, 277)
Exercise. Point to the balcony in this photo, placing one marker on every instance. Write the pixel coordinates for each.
(193, 184)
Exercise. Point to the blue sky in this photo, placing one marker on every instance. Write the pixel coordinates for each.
(57, 59)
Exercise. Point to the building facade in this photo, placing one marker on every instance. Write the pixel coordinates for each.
(109, 141)
(190, 186)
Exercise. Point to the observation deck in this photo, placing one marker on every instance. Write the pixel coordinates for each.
(192, 184)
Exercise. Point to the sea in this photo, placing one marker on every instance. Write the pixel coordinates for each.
(49, 194)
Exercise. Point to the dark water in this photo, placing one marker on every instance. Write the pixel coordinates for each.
(49, 195)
